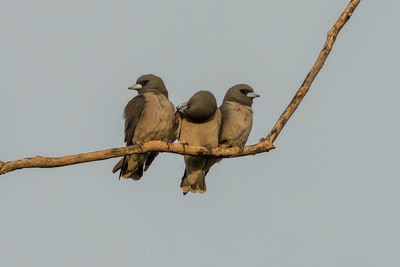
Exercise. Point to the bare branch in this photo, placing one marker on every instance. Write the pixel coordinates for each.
(42, 162)
(332, 34)
(264, 146)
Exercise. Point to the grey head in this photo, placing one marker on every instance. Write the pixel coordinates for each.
(149, 81)
(241, 93)
(200, 107)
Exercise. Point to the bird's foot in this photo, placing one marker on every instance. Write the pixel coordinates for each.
(209, 148)
(140, 144)
(168, 144)
(241, 149)
(183, 145)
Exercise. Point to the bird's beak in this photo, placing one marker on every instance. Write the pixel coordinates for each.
(182, 108)
(135, 87)
(252, 95)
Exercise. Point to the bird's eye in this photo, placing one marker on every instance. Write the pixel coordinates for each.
(243, 91)
(145, 82)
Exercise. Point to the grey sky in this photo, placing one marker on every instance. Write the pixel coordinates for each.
(327, 196)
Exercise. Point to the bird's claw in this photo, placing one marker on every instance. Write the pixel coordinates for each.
(168, 144)
(183, 145)
(209, 148)
(140, 144)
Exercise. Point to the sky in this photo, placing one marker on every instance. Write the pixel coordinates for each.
(328, 195)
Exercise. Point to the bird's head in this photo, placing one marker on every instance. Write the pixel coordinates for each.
(200, 107)
(149, 81)
(242, 94)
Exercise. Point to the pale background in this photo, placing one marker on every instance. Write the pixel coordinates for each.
(327, 196)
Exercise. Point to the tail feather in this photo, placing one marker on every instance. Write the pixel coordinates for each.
(194, 182)
(150, 159)
(201, 184)
(124, 166)
(131, 166)
(118, 166)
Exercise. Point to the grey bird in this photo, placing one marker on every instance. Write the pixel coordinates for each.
(198, 123)
(237, 118)
(148, 116)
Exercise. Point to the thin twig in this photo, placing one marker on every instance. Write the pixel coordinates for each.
(264, 146)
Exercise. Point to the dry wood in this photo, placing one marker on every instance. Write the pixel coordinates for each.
(44, 162)
(264, 146)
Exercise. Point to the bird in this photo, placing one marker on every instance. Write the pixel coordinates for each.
(198, 123)
(237, 118)
(148, 116)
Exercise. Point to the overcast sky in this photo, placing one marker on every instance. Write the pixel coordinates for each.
(327, 196)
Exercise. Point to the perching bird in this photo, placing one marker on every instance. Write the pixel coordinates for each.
(198, 123)
(148, 116)
(237, 118)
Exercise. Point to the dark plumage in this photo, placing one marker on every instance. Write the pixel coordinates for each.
(148, 116)
(237, 118)
(198, 122)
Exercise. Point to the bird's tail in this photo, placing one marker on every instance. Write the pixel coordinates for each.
(131, 166)
(194, 182)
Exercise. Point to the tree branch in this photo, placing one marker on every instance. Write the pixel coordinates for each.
(264, 145)
(42, 162)
(331, 38)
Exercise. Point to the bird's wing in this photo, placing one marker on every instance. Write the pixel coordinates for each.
(132, 114)
(178, 125)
